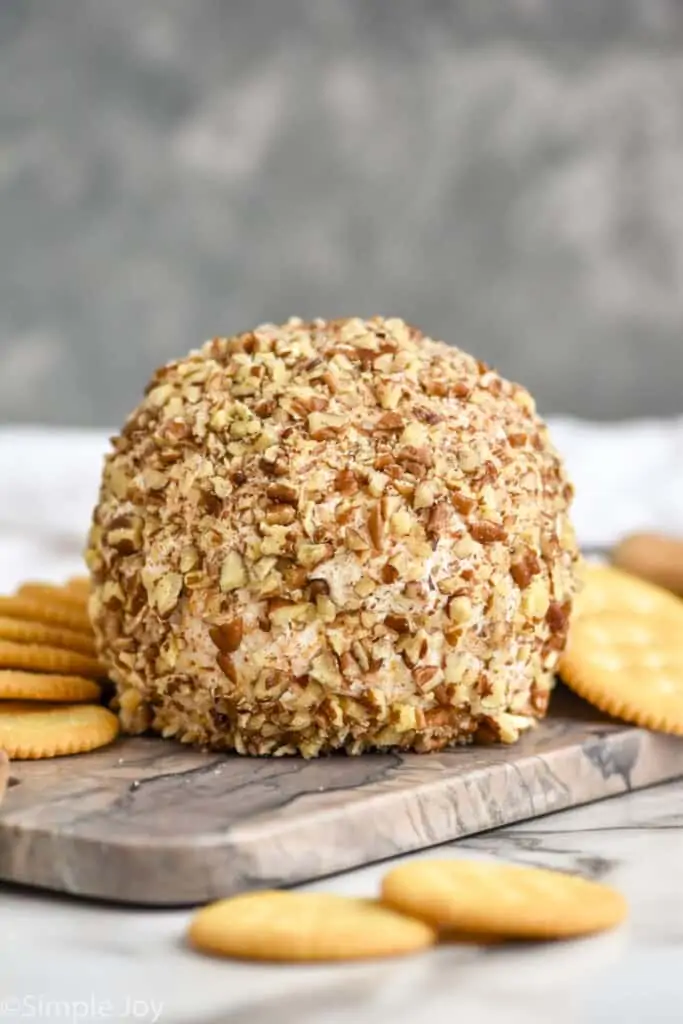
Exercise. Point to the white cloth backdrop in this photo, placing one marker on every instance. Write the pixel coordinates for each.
(628, 476)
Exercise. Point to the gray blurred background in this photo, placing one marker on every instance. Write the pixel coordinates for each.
(507, 174)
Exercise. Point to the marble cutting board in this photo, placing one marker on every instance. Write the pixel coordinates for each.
(150, 822)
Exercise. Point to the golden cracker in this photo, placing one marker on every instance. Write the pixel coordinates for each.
(79, 585)
(503, 900)
(38, 658)
(36, 686)
(31, 730)
(607, 588)
(49, 613)
(52, 594)
(451, 938)
(21, 632)
(273, 925)
(630, 666)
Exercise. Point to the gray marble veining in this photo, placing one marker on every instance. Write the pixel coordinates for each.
(505, 174)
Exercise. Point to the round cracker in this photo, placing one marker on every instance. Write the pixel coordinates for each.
(36, 686)
(30, 730)
(273, 925)
(79, 585)
(39, 658)
(629, 665)
(21, 632)
(51, 593)
(505, 900)
(52, 613)
(606, 588)
(450, 938)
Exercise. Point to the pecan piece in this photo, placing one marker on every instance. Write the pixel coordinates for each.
(227, 666)
(376, 527)
(282, 492)
(126, 540)
(318, 588)
(427, 415)
(360, 654)
(461, 503)
(438, 717)
(310, 555)
(391, 422)
(345, 482)
(389, 573)
(412, 453)
(486, 532)
(355, 541)
(265, 408)
(295, 577)
(423, 676)
(438, 520)
(280, 515)
(557, 616)
(325, 426)
(395, 472)
(311, 403)
(331, 381)
(399, 623)
(364, 356)
(348, 664)
(436, 388)
(525, 569)
(210, 503)
(175, 431)
(276, 466)
(453, 635)
(415, 469)
(228, 636)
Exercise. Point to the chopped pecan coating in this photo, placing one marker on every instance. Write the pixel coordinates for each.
(335, 534)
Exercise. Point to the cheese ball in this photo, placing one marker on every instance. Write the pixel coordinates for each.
(332, 535)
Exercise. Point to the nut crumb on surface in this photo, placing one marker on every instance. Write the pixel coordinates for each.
(332, 535)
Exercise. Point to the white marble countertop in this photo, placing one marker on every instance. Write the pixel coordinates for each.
(68, 960)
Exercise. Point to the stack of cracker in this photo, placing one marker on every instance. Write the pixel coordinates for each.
(50, 694)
